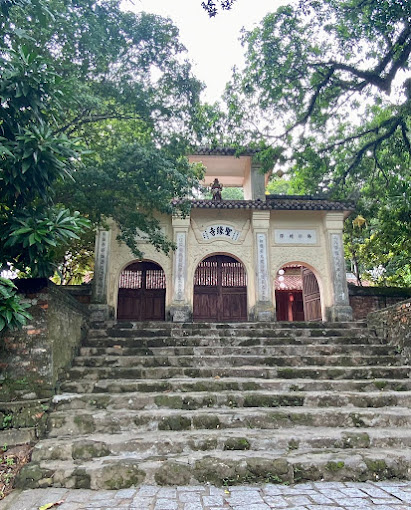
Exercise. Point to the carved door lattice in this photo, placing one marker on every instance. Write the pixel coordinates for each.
(220, 290)
(142, 292)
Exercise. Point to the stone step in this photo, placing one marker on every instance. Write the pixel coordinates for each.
(227, 332)
(256, 350)
(229, 468)
(286, 372)
(230, 399)
(183, 385)
(94, 446)
(191, 341)
(335, 360)
(205, 326)
(86, 422)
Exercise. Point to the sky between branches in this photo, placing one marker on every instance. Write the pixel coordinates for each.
(213, 43)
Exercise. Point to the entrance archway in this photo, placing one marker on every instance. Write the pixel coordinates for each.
(297, 294)
(142, 292)
(220, 290)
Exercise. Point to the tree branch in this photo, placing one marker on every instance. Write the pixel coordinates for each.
(372, 144)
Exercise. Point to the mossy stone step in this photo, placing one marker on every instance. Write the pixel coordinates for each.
(239, 341)
(86, 422)
(147, 444)
(336, 360)
(253, 350)
(184, 385)
(314, 372)
(230, 399)
(230, 468)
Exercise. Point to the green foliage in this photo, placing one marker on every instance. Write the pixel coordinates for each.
(325, 94)
(211, 7)
(13, 313)
(33, 239)
(278, 186)
(33, 154)
(84, 84)
(134, 187)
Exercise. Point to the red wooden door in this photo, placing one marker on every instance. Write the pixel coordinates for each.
(289, 305)
(142, 293)
(311, 296)
(220, 290)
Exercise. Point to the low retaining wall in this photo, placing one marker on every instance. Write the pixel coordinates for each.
(32, 359)
(364, 300)
(393, 326)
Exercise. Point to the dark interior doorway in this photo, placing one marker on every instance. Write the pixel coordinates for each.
(297, 294)
(142, 293)
(220, 290)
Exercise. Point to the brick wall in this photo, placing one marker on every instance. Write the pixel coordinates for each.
(33, 359)
(365, 300)
(393, 326)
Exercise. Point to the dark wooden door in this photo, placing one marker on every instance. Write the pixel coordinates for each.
(311, 296)
(220, 290)
(142, 293)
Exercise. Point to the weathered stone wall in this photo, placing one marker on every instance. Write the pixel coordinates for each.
(32, 359)
(365, 300)
(393, 326)
(81, 293)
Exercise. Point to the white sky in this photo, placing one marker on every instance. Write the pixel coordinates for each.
(212, 43)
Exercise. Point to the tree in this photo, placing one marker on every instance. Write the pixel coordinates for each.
(211, 7)
(325, 90)
(33, 155)
(124, 82)
(80, 83)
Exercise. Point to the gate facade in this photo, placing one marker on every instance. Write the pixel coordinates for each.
(220, 290)
(142, 292)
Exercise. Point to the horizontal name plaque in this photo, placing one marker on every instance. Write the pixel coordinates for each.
(220, 231)
(295, 236)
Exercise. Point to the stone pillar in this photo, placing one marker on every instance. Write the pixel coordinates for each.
(340, 310)
(264, 310)
(99, 308)
(257, 182)
(180, 310)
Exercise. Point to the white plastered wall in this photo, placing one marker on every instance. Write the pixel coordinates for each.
(315, 257)
(121, 256)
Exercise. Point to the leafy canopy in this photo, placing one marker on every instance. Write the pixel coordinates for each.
(86, 83)
(326, 91)
(211, 7)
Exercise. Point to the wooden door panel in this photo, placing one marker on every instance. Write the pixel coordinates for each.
(129, 304)
(141, 295)
(311, 296)
(205, 306)
(220, 291)
(234, 306)
(154, 306)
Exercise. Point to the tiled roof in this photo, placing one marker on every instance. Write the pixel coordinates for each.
(289, 282)
(222, 151)
(283, 204)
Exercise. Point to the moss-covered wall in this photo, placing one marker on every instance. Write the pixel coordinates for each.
(33, 359)
(393, 326)
(365, 300)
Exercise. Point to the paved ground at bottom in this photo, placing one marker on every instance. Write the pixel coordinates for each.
(308, 496)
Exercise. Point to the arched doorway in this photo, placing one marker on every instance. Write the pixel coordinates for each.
(142, 292)
(297, 294)
(220, 290)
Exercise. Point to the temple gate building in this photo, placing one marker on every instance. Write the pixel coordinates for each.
(264, 258)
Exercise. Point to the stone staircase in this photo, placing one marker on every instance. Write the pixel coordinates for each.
(227, 403)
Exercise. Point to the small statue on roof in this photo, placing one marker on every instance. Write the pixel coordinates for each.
(216, 189)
